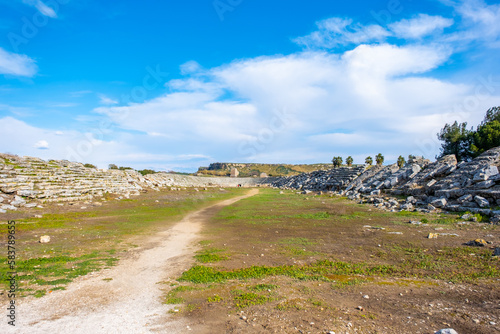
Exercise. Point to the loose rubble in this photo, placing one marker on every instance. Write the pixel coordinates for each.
(472, 186)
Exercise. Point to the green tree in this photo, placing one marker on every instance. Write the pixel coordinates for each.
(411, 157)
(456, 140)
(487, 136)
(112, 166)
(349, 161)
(379, 158)
(401, 161)
(369, 160)
(492, 114)
(337, 161)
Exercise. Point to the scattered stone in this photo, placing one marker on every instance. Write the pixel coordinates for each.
(44, 239)
(18, 201)
(8, 207)
(360, 308)
(432, 236)
(476, 243)
(375, 192)
(394, 232)
(415, 222)
(496, 251)
(469, 217)
(366, 297)
(446, 331)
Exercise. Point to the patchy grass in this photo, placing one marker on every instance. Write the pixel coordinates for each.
(286, 251)
(87, 241)
(211, 255)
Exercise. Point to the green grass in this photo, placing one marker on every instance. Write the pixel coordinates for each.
(247, 299)
(211, 255)
(419, 265)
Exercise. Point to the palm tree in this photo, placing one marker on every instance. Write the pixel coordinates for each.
(337, 161)
(349, 161)
(379, 158)
(369, 160)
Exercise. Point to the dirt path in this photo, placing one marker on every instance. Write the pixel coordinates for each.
(130, 301)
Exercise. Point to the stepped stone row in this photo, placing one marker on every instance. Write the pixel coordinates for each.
(334, 179)
(27, 179)
(467, 186)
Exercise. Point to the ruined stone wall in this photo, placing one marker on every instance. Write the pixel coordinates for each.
(27, 179)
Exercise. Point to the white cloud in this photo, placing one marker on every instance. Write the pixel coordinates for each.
(103, 99)
(41, 145)
(16, 64)
(335, 31)
(381, 97)
(480, 22)
(42, 7)
(190, 67)
(421, 26)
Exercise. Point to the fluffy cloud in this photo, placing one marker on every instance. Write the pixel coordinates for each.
(41, 145)
(372, 98)
(419, 27)
(16, 64)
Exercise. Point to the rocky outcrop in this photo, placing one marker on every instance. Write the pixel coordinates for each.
(25, 181)
(468, 186)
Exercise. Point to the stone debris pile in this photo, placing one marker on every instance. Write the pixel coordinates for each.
(334, 179)
(472, 186)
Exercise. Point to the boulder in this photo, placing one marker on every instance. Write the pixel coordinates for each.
(481, 201)
(375, 192)
(406, 207)
(439, 203)
(465, 198)
(476, 243)
(485, 184)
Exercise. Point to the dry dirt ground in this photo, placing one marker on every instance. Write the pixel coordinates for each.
(125, 298)
(272, 230)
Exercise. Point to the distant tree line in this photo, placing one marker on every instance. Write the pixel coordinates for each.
(142, 171)
(379, 160)
(467, 144)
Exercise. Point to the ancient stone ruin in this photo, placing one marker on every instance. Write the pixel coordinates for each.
(27, 182)
(467, 186)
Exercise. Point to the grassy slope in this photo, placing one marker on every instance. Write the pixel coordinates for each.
(270, 169)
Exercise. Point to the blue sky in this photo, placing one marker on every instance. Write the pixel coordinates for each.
(176, 85)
